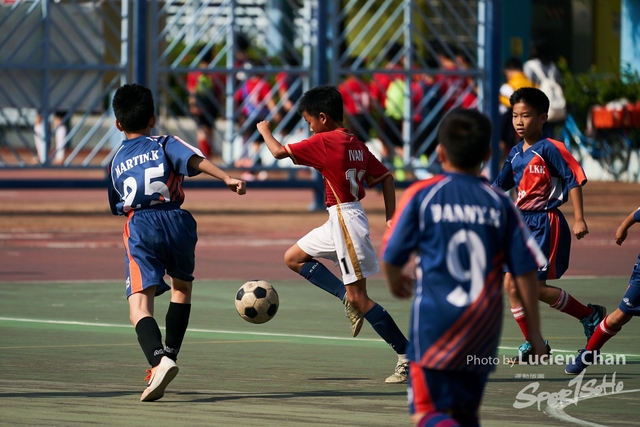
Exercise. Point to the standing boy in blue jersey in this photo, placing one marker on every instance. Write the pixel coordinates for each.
(346, 164)
(613, 323)
(145, 184)
(462, 232)
(545, 175)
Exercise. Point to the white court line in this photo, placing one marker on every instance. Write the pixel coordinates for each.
(220, 331)
(557, 410)
(209, 331)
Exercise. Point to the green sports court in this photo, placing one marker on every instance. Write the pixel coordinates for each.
(69, 357)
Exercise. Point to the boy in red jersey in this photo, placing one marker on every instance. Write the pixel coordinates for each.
(461, 231)
(345, 164)
(545, 175)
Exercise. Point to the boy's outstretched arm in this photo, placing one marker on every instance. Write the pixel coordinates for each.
(276, 149)
(580, 228)
(205, 166)
(621, 232)
(389, 197)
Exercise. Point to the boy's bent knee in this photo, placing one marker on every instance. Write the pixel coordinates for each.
(295, 258)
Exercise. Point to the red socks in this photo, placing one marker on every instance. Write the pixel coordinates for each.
(601, 335)
(518, 314)
(568, 304)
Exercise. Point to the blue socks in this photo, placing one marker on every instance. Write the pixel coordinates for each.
(380, 320)
(384, 325)
(319, 275)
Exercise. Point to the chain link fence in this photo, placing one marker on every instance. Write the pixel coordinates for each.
(218, 67)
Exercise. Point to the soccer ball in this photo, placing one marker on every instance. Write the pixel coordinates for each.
(257, 301)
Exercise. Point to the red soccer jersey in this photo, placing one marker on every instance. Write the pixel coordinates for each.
(256, 89)
(355, 95)
(344, 161)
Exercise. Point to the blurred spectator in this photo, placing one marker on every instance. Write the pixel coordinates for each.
(425, 100)
(60, 136)
(254, 99)
(391, 132)
(357, 104)
(205, 97)
(515, 80)
(453, 88)
(289, 91)
(541, 62)
(241, 56)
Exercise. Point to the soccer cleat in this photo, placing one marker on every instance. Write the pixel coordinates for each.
(591, 322)
(401, 373)
(158, 379)
(353, 315)
(581, 362)
(525, 353)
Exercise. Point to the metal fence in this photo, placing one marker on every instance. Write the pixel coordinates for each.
(217, 67)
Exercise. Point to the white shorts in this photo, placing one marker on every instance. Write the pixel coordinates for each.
(344, 239)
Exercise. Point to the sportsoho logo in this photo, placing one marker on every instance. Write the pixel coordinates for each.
(577, 390)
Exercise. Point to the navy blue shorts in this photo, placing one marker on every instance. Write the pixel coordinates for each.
(553, 235)
(159, 242)
(456, 393)
(630, 303)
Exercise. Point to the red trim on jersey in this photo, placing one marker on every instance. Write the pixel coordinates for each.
(422, 400)
(442, 353)
(554, 237)
(573, 164)
(135, 278)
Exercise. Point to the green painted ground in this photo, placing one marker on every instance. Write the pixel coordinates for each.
(69, 358)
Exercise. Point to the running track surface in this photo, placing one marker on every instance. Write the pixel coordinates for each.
(49, 235)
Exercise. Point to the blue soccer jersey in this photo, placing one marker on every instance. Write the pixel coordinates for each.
(542, 175)
(462, 231)
(148, 171)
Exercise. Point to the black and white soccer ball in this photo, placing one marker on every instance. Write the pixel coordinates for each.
(257, 301)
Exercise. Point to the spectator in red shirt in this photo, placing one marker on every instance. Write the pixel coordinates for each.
(205, 94)
(357, 105)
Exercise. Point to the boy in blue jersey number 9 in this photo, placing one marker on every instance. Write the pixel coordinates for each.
(145, 184)
(462, 232)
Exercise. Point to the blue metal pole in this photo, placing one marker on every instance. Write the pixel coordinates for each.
(45, 107)
(320, 78)
(493, 75)
(140, 42)
(322, 48)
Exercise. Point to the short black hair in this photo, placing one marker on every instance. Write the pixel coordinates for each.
(322, 99)
(465, 134)
(133, 107)
(513, 64)
(532, 96)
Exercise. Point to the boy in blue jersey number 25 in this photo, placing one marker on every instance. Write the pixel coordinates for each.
(462, 232)
(145, 184)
